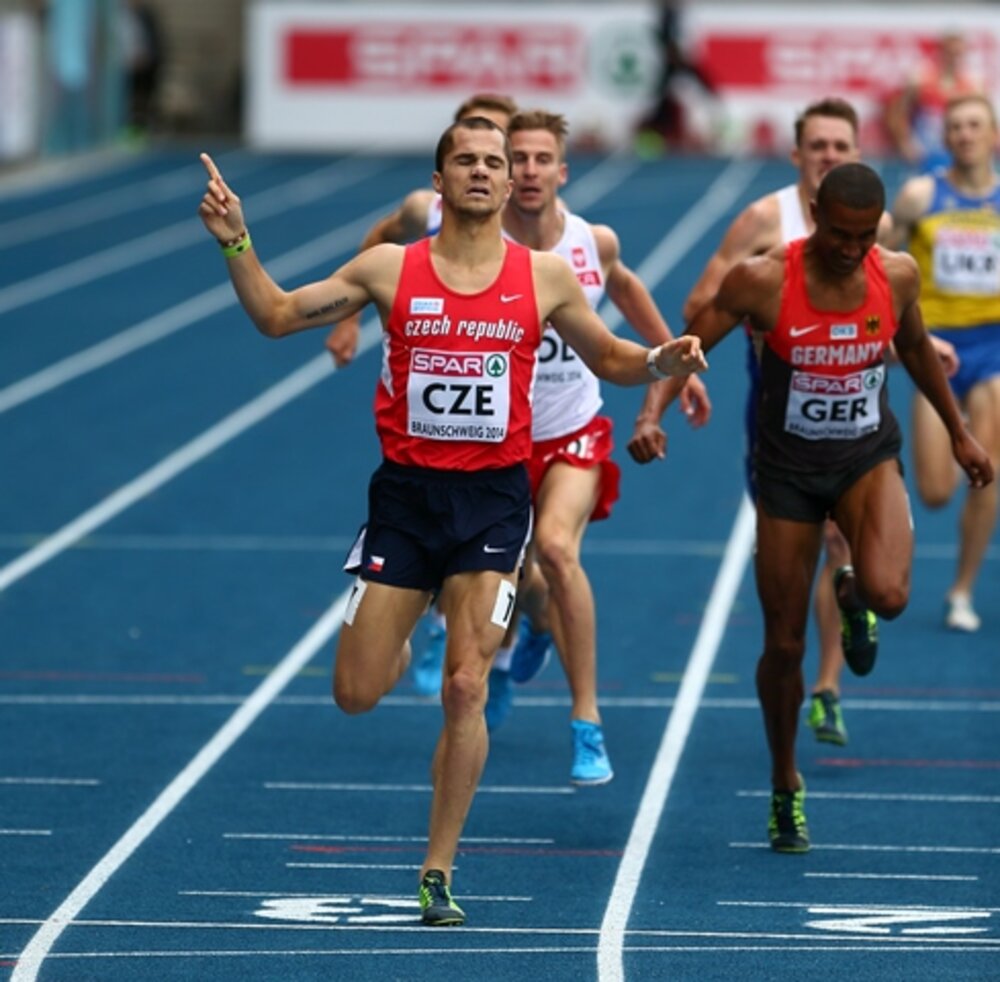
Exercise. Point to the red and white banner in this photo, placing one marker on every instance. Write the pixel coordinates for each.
(389, 76)
(770, 61)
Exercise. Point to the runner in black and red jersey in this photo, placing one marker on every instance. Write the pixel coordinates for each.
(827, 444)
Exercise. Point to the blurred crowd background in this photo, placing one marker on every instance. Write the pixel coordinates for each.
(718, 77)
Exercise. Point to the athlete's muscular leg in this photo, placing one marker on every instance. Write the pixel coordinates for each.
(831, 652)
(373, 650)
(785, 562)
(934, 469)
(979, 513)
(469, 602)
(563, 506)
(874, 515)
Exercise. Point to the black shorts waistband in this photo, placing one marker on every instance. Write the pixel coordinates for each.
(434, 475)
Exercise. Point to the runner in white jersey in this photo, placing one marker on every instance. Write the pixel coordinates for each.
(573, 477)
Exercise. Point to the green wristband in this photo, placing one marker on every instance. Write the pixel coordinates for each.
(238, 247)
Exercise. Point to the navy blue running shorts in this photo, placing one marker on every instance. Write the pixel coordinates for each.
(425, 525)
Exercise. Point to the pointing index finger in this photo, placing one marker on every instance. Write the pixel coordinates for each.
(213, 171)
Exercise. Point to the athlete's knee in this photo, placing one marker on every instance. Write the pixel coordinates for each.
(354, 696)
(557, 553)
(783, 655)
(888, 599)
(886, 591)
(463, 691)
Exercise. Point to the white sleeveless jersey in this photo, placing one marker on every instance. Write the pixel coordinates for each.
(567, 394)
(793, 222)
(434, 215)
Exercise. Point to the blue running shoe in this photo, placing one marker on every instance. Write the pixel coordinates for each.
(531, 654)
(427, 668)
(590, 760)
(500, 700)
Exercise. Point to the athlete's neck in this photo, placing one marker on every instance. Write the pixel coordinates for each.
(976, 179)
(539, 230)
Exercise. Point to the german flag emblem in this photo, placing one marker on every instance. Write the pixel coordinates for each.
(873, 323)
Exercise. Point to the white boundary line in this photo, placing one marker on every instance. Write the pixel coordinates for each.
(717, 200)
(294, 193)
(610, 966)
(30, 960)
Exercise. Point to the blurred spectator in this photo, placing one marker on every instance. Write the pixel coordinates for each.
(915, 114)
(70, 29)
(142, 56)
(667, 126)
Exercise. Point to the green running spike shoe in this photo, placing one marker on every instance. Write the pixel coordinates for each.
(436, 906)
(826, 719)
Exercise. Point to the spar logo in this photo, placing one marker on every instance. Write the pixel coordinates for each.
(442, 363)
(409, 56)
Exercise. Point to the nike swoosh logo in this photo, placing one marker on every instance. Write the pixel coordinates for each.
(797, 332)
(494, 549)
(510, 297)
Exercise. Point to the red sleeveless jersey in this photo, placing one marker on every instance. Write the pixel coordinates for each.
(823, 396)
(457, 368)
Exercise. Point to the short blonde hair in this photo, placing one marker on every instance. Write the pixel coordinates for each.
(541, 119)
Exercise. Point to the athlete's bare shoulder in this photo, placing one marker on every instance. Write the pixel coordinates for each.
(608, 246)
(902, 272)
(913, 200)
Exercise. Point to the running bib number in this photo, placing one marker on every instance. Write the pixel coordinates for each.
(967, 261)
(824, 408)
(459, 395)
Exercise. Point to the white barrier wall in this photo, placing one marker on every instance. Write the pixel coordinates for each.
(19, 124)
(389, 76)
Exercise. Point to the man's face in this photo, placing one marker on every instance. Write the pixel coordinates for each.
(826, 142)
(970, 133)
(539, 171)
(844, 235)
(474, 180)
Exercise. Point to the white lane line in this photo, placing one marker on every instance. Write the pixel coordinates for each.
(30, 960)
(609, 174)
(922, 943)
(275, 201)
(59, 781)
(298, 260)
(180, 460)
(710, 207)
(384, 867)
(26, 832)
(55, 221)
(525, 702)
(861, 945)
(609, 956)
(943, 850)
(946, 799)
(421, 839)
(893, 876)
(417, 788)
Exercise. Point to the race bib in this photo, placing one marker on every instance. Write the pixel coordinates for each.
(459, 395)
(967, 260)
(824, 408)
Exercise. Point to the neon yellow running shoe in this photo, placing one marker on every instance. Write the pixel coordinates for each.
(786, 826)
(826, 719)
(858, 630)
(436, 905)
